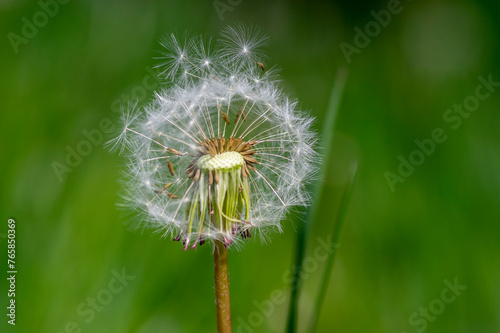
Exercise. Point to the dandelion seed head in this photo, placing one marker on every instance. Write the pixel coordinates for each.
(221, 153)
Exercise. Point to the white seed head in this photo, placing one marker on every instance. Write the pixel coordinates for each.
(221, 152)
(224, 161)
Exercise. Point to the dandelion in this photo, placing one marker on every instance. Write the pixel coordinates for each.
(221, 153)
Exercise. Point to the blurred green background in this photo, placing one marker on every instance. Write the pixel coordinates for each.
(397, 247)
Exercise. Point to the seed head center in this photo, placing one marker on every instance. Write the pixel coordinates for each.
(227, 160)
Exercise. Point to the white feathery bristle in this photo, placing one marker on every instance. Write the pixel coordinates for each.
(221, 100)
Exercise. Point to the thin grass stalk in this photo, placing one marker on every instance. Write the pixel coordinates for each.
(337, 229)
(311, 213)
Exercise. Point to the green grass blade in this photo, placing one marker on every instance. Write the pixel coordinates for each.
(305, 229)
(339, 223)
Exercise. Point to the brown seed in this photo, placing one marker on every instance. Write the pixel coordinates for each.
(250, 159)
(172, 196)
(244, 171)
(175, 152)
(236, 143)
(240, 114)
(221, 145)
(171, 167)
(210, 177)
(211, 150)
(193, 172)
(190, 168)
(241, 147)
(251, 167)
(197, 175)
(203, 148)
(248, 152)
(216, 177)
(226, 118)
(261, 66)
(229, 143)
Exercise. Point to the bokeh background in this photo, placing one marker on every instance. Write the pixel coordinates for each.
(397, 247)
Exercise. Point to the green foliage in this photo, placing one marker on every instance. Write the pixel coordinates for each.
(397, 248)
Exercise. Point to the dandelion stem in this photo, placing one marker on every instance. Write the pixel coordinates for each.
(222, 300)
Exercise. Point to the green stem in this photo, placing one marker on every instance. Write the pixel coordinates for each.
(344, 204)
(311, 213)
(222, 300)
